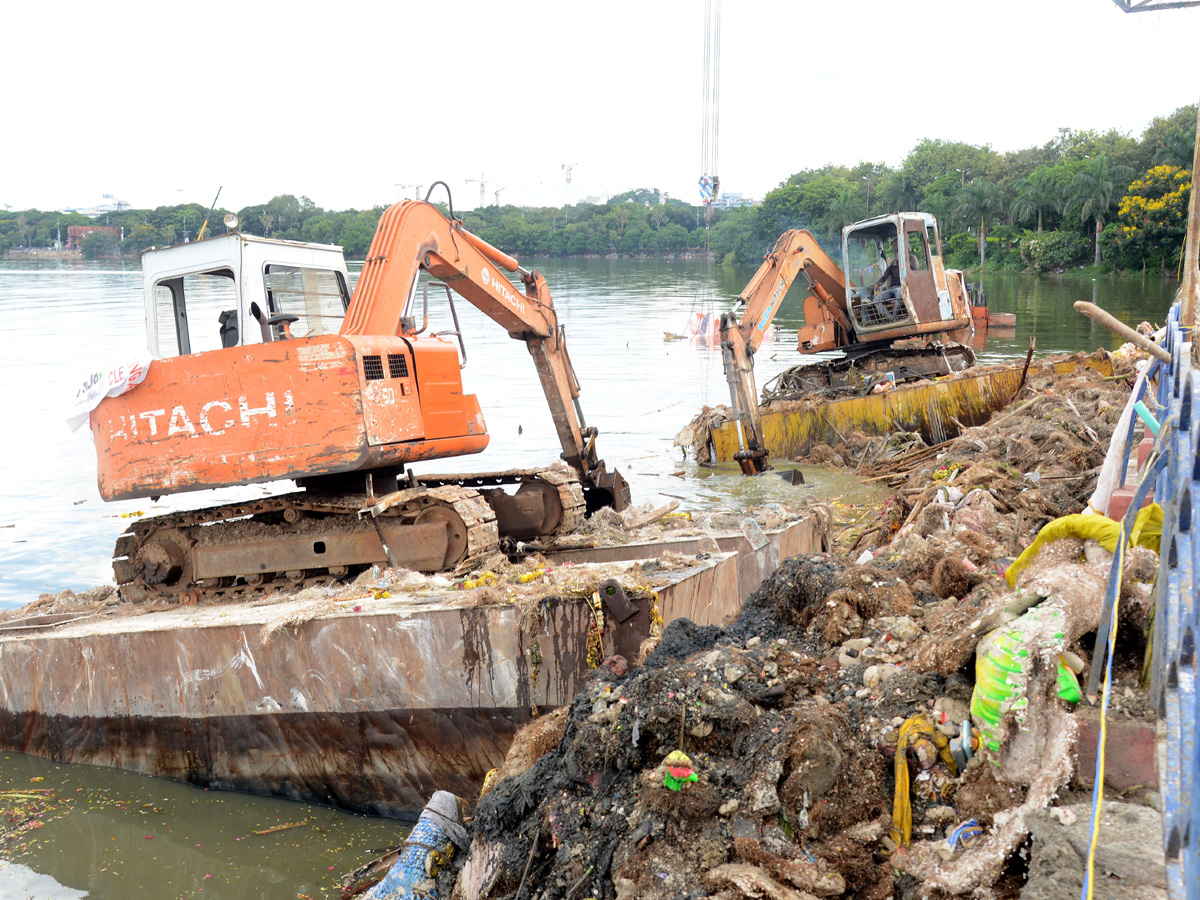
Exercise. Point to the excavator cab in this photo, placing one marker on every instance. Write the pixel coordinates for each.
(906, 247)
(238, 289)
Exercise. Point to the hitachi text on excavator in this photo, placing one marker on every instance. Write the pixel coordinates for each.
(265, 368)
(900, 291)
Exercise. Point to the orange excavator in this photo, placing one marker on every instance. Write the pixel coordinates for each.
(342, 395)
(901, 291)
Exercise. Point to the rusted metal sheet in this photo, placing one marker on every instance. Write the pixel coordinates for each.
(370, 705)
(919, 285)
(927, 408)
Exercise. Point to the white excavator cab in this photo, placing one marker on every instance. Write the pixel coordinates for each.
(237, 289)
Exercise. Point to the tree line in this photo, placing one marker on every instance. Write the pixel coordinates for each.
(1084, 197)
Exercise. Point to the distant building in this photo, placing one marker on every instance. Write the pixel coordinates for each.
(108, 204)
(733, 200)
(76, 233)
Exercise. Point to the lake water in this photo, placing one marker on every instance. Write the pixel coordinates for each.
(65, 318)
(70, 832)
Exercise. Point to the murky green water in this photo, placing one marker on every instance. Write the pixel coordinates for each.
(77, 831)
(639, 390)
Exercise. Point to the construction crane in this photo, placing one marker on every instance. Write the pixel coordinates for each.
(482, 180)
(497, 194)
(710, 102)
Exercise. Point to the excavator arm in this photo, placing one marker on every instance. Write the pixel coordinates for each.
(795, 254)
(414, 235)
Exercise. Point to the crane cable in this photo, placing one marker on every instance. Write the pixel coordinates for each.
(710, 98)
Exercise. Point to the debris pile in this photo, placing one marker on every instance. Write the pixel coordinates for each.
(998, 482)
(837, 738)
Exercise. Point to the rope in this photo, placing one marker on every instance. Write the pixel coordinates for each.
(1098, 787)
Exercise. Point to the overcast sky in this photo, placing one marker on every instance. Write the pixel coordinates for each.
(161, 103)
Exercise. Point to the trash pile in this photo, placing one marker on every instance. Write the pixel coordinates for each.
(763, 760)
(1001, 481)
(888, 724)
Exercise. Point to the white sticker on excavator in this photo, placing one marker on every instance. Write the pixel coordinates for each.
(110, 382)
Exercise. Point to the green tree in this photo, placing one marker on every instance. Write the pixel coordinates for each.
(1036, 194)
(1094, 191)
(980, 200)
(640, 196)
(1178, 150)
(143, 237)
(932, 159)
(356, 236)
(98, 244)
(1160, 132)
(847, 208)
(897, 192)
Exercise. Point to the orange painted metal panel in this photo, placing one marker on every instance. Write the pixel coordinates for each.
(440, 381)
(390, 402)
(233, 416)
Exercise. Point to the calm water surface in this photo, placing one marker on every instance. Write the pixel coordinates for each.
(64, 318)
(71, 832)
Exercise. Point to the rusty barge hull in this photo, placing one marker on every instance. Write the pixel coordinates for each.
(931, 409)
(369, 709)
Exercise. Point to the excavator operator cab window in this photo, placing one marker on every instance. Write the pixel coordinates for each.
(931, 233)
(301, 302)
(189, 311)
(918, 258)
(872, 254)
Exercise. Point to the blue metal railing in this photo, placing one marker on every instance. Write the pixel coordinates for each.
(1174, 472)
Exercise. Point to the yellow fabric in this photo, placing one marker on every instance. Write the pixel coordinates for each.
(914, 729)
(1147, 532)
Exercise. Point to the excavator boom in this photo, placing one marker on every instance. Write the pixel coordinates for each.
(414, 235)
(796, 253)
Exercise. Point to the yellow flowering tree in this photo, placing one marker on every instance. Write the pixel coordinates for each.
(1153, 215)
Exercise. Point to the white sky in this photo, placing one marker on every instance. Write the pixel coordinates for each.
(160, 103)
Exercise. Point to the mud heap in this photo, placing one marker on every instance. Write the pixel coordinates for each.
(761, 760)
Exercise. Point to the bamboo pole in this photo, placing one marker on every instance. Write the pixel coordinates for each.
(1119, 328)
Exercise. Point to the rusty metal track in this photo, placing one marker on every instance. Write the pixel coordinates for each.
(309, 538)
(548, 501)
(297, 540)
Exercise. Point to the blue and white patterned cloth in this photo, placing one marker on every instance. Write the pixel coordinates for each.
(429, 846)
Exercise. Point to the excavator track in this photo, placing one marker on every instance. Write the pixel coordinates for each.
(547, 501)
(858, 371)
(298, 540)
(307, 538)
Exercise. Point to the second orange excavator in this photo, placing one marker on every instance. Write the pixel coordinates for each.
(341, 395)
(900, 291)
